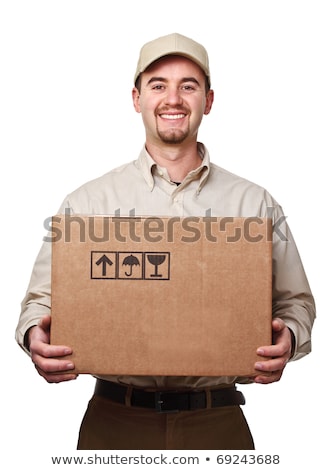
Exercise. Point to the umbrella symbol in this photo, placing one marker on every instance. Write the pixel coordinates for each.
(131, 261)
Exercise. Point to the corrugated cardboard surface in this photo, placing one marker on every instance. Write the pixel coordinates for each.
(159, 296)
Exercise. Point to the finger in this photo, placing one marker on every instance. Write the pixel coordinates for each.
(275, 350)
(45, 350)
(272, 370)
(268, 379)
(45, 322)
(272, 365)
(52, 365)
(278, 324)
(56, 378)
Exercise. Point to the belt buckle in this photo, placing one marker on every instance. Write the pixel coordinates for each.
(159, 403)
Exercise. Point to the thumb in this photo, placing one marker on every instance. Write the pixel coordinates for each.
(45, 323)
(278, 324)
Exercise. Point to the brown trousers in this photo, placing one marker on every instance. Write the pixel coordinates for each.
(108, 425)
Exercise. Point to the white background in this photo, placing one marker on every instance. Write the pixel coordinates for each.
(67, 117)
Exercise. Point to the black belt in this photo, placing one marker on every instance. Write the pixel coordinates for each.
(169, 401)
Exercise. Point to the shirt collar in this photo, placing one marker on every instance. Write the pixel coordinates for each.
(147, 165)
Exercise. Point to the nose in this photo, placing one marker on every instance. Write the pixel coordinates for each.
(173, 96)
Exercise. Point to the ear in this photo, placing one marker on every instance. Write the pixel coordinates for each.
(136, 99)
(209, 101)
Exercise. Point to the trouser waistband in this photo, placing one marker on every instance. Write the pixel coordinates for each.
(169, 400)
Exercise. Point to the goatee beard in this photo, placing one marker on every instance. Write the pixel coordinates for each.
(172, 137)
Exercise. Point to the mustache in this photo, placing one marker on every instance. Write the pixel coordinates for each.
(178, 109)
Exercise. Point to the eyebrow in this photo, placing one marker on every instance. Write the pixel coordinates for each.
(164, 80)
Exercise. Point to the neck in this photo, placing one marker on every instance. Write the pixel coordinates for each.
(178, 160)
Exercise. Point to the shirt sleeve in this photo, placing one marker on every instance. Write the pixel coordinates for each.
(292, 299)
(37, 301)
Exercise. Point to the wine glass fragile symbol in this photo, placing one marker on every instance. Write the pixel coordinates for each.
(156, 260)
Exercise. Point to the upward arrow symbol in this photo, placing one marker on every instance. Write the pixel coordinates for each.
(104, 260)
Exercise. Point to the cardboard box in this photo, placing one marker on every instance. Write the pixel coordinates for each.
(162, 296)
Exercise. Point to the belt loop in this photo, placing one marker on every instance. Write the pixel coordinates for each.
(128, 395)
(208, 398)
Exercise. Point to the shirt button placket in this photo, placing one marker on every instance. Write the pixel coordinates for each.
(178, 204)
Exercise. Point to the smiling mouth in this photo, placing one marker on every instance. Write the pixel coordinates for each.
(172, 117)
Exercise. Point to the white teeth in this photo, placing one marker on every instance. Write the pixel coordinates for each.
(172, 116)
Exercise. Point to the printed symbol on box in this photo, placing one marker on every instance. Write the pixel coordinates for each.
(157, 265)
(130, 265)
(103, 264)
(130, 261)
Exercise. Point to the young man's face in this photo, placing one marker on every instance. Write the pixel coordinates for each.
(172, 100)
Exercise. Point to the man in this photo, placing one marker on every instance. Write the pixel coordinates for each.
(173, 176)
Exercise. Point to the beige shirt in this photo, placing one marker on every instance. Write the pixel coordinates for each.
(142, 188)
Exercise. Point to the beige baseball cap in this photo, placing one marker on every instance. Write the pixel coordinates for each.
(172, 44)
